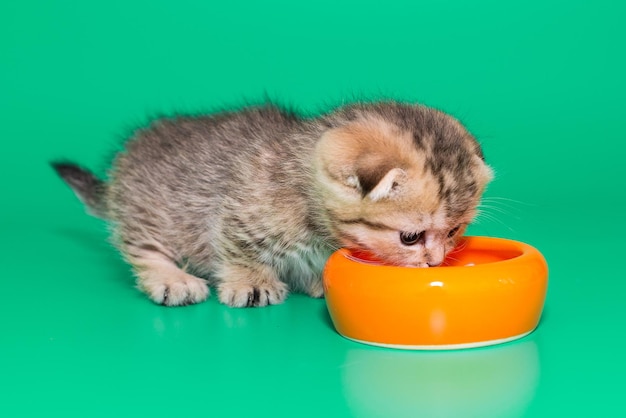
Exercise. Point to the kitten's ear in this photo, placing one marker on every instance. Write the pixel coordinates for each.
(380, 183)
(486, 173)
(360, 157)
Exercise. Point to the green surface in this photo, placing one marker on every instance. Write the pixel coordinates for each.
(540, 83)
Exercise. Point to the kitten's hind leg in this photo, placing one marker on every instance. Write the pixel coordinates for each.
(249, 286)
(162, 280)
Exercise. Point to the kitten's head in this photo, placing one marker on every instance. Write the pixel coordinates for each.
(399, 181)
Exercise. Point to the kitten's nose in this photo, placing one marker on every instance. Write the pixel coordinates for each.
(435, 255)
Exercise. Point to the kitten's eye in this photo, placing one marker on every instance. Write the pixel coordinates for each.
(411, 238)
(453, 232)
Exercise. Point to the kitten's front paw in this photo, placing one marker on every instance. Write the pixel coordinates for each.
(176, 289)
(241, 294)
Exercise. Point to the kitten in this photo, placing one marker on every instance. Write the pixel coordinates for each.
(253, 202)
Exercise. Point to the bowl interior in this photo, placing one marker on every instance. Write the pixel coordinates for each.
(462, 256)
(473, 256)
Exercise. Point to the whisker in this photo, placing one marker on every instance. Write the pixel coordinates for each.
(506, 200)
(459, 247)
(495, 208)
(507, 203)
(505, 206)
(491, 218)
(484, 208)
(452, 259)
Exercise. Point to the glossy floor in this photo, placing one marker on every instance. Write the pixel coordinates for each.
(540, 83)
(77, 339)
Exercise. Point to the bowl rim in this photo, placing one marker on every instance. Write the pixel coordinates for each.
(442, 347)
(476, 242)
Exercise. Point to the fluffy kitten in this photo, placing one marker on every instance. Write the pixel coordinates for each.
(253, 202)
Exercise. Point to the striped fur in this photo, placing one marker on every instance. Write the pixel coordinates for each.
(254, 201)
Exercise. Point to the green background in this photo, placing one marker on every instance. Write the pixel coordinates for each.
(540, 83)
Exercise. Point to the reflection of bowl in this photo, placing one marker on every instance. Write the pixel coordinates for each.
(488, 291)
(494, 382)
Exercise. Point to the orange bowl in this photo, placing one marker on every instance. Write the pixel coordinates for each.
(488, 291)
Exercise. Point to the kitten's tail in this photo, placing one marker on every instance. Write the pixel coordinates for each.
(87, 187)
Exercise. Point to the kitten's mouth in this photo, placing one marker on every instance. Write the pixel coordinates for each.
(421, 265)
(413, 265)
